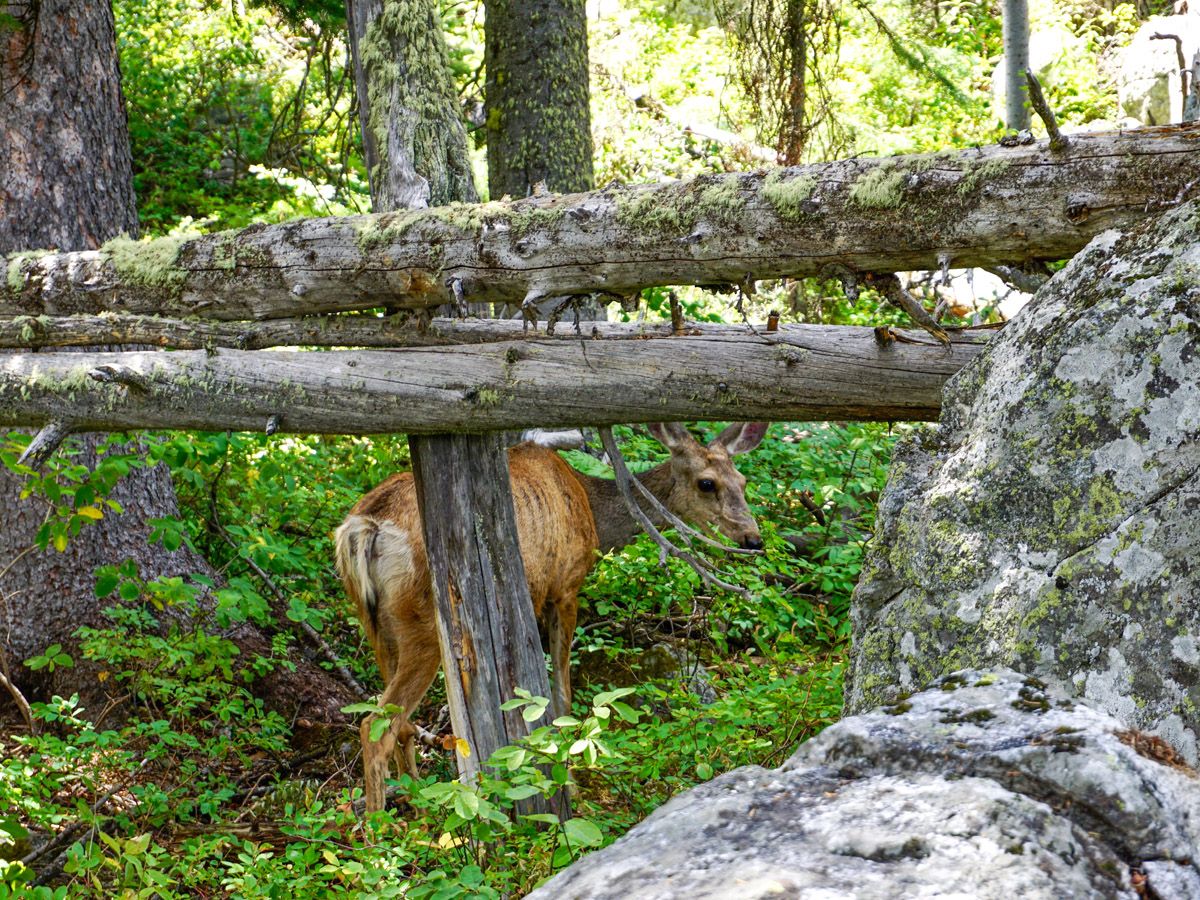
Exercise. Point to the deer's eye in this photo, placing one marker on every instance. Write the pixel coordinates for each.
(707, 485)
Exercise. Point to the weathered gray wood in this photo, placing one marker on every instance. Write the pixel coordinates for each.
(401, 330)
(979, 207)
(800, 372)
(486, 626)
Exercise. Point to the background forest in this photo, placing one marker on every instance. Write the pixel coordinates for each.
(238, 113)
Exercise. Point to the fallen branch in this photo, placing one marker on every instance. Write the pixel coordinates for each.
(44, 444)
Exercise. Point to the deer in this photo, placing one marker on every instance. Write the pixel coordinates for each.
(565, 521)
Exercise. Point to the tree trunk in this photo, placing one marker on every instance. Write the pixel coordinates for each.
(793, 132)
(413, 136)
(536, 103)
(799, 372)
(536, 97)
(67, 183)
(980, 207)
(1016, 61)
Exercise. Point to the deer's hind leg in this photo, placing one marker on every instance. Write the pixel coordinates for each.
(560, 618)
(414, 658)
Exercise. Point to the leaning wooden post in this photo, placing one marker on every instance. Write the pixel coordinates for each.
(486, 627)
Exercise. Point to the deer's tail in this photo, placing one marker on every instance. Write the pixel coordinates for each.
(374, 559)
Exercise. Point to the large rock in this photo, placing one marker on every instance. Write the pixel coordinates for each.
(984, 786)
(1147, 76)
(1052, 522)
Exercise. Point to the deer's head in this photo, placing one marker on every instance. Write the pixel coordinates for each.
(706, 489)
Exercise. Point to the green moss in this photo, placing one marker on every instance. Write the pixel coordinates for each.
(147, 263)
(525, 218)
(15, 278)
(880, 188)
(403, 53)
(224, 251)
(721, 203)
(979, 173)
(653, 212)
(974, 717)
(787, 196)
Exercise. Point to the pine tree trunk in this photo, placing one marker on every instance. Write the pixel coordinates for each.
(536, 102)
(66, 182)
(538, 118)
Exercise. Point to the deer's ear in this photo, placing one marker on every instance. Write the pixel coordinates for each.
(670, 434)
(742, 437)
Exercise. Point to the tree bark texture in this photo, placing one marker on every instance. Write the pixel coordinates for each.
(66, 182)
(536, 98)
(799, 372)
(400, 330)
(979, 207)
(413, 137)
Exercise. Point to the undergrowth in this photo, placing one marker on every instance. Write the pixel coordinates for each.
(199, 790)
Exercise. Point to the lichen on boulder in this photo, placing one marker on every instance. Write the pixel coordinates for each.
(986, 785)
(1051, 523)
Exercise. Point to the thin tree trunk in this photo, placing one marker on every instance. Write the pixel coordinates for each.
(794, 133)
(1016, 61)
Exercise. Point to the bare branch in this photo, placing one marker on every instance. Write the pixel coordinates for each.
(1038, 101)
(22, 703)
(44, 444)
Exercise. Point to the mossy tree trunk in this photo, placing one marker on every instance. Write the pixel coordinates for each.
(468, 520)
(413, 137)
(536, 99)
(67, 183)
(536, 103)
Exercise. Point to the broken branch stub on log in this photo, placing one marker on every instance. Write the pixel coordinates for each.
(979, 207)
(798, 373)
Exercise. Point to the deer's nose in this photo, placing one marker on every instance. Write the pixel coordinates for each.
(752, 543)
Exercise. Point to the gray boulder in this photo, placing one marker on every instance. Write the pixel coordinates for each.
(1052, 522)
(984, 786)
(1147, 74)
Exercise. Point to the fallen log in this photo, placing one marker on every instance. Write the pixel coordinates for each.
(985, 206)
(402, 330)
(801, 372)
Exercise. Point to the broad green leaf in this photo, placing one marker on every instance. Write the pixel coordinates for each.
(582, 832)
